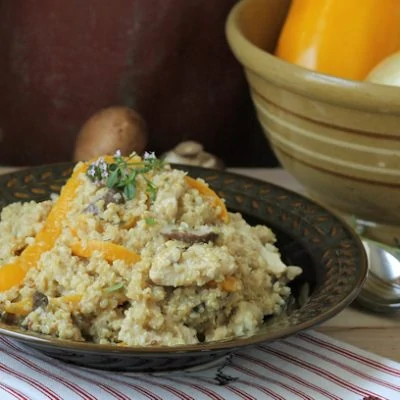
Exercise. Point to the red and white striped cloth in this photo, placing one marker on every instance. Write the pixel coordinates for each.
(308, 366)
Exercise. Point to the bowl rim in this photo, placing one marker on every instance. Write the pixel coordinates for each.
(359, 95)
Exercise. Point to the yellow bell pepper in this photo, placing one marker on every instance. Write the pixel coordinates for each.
(230, 284)
(210, 195)
(13, 274)
(24, 307)
(345, 38)
(110, 251)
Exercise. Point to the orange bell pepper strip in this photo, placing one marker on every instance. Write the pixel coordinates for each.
(13, 273)
(210, 195)
(110, 251)
(344, 38)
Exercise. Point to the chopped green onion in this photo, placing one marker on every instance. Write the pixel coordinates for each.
(115, 287)
(150, 221)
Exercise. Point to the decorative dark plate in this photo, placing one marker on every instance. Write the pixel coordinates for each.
(331, 255)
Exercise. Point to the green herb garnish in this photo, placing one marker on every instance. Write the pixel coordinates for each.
(121, 174)
(150, 221)
(115, 287)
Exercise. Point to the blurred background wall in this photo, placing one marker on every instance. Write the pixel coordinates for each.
(63, 60)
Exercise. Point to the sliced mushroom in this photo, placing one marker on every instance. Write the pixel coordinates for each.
(10, 319)
(83, 322)
(199, 308)
(92, 209)
(111, 196)
(203, 235)
(39, 299)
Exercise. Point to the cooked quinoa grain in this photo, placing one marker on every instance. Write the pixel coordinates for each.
(159, 263)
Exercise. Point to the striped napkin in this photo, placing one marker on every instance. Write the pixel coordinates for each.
(308, 366)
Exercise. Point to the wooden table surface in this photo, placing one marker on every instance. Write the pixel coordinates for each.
(368, 331)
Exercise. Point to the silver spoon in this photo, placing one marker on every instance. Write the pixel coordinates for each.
(381, 291)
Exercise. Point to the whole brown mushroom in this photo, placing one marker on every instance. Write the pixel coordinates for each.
(111, 129)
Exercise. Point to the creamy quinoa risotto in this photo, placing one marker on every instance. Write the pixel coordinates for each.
(133, 252)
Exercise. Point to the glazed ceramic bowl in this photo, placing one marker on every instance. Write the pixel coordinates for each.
(331, 255)
(340, 138)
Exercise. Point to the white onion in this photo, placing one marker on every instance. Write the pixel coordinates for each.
(387, 72)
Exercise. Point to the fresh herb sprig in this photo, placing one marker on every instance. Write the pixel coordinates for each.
(150, 220)
(122, 173)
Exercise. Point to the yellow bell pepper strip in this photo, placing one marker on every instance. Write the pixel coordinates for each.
(211, 196)
(110, 251)
(345, 38)
(130, 224)
(230, 284)
(24, 307)
(71, 299)
(21, 308)
(13, 273)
